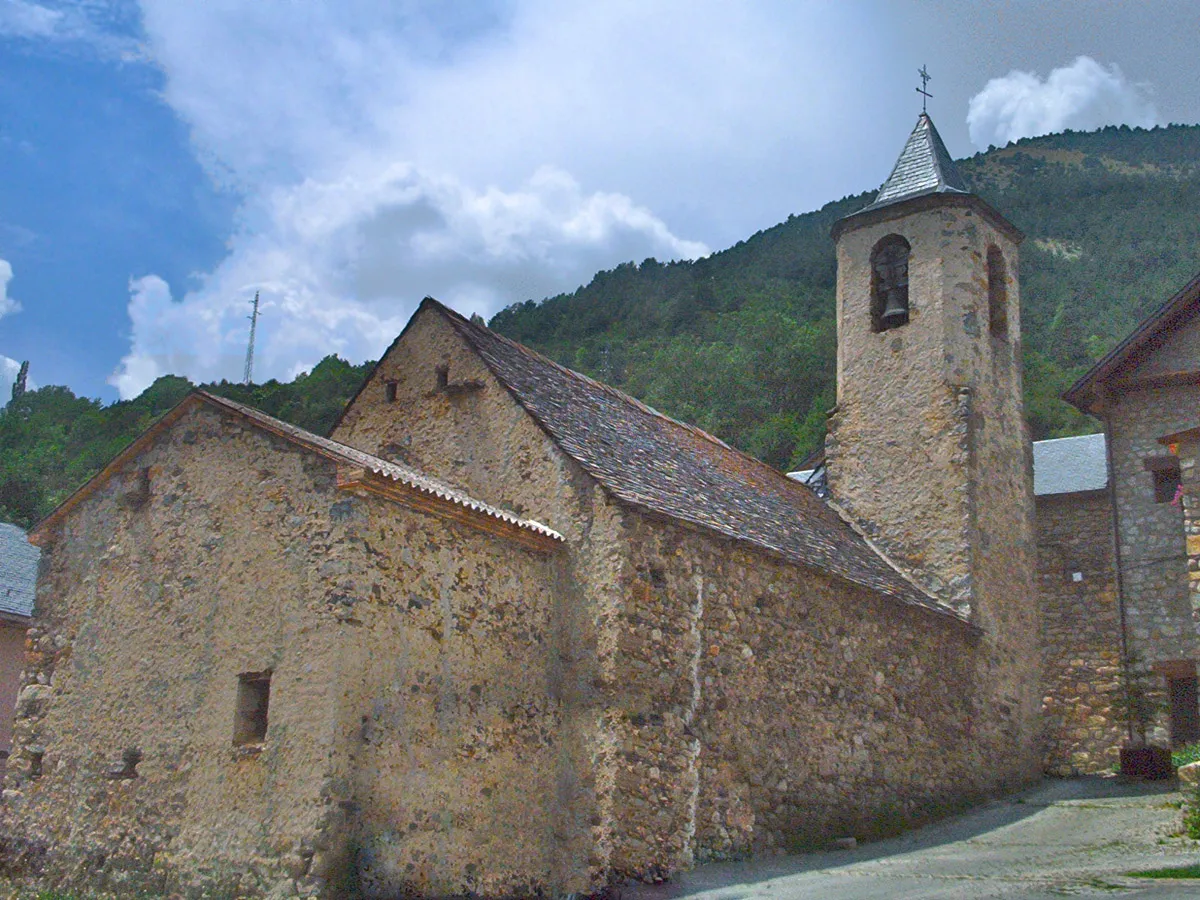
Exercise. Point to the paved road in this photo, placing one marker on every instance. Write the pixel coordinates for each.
(1069, 838)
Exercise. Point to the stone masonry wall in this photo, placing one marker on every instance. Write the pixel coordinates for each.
(12, 661)
(482, 440)
(773, 707)
(1083, 705)
(245, 557)
(1189, 469)
(457, 779)
(1153, 552)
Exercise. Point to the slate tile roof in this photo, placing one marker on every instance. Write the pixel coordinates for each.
(924, 167)
(18, 571)
(1060, 466)
(667, 467)
(1068, 465)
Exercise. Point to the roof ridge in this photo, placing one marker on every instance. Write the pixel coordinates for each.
(1079, 394)
(666, 467)
(616, 393)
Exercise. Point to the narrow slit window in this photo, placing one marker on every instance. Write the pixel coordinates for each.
(389, 391)
(997, 273)
(889, 283)
(253, 700)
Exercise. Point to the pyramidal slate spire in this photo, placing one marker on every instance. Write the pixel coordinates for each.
(924, 167)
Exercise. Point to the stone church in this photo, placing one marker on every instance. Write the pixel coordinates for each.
(508, 631)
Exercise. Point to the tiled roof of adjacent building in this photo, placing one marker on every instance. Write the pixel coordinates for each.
(18, 571)
(1085, 392)
(667, 467)
(1060, 466)
(1070, 465)
(924, 167)
(331, 449)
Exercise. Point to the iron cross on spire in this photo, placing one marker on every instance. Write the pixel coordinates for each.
(925, 95)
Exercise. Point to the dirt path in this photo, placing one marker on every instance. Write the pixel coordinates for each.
(1072, 837)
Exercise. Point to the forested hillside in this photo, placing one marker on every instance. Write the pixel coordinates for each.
(52, 441)
(742, 343)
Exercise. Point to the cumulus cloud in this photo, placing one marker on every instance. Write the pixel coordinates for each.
(1081, 96)
(340, 264)
(7, 304)
(388, 151)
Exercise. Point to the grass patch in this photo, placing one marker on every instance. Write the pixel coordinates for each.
(1192, 871)
(1185, 755)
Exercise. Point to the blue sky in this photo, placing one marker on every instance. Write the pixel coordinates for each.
(162, 161)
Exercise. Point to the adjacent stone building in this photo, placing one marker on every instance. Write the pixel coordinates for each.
(18, 577)
(1084, 701)
(1144, 391)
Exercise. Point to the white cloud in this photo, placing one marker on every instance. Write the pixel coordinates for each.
(340, 264)
(103, 26)
(387, 151)
(1081, 96)
(7, 304)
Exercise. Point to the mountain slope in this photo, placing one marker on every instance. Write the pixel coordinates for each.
(742, 342)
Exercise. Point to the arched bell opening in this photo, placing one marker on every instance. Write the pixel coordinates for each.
(889, 283)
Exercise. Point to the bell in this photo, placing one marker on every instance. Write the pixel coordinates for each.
(895, 312)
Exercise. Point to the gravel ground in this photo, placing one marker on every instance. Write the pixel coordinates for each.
(1065, 838)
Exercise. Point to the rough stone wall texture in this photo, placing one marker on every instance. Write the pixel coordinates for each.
(246, 557)
(1083, 707)
(452, 713)
(1158, 612)
(481, 439)
(12, 661)
(928, 448)
(1189, 470)
(773, 706)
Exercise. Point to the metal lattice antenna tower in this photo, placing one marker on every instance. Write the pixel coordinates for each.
(253, 317)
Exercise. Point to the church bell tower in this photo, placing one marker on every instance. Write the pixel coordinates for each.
(927, 451)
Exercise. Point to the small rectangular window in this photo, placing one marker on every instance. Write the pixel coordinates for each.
(389, 391)
(253, 698)
(1166, 483)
